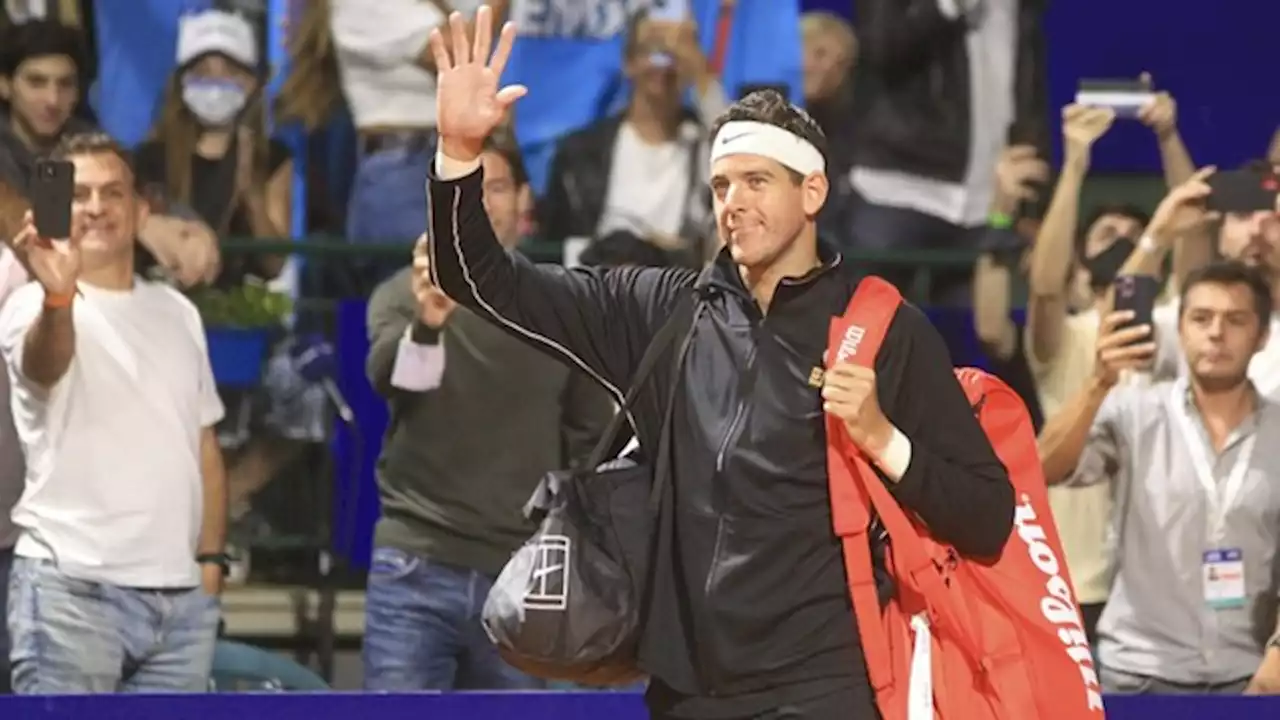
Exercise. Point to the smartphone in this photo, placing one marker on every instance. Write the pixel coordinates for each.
(1243, 191)
(1138, 294)
(669, 10)
(1125, 97)
(52, 189)
(747, 88)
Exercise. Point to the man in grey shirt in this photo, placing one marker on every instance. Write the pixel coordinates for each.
(1197, 485)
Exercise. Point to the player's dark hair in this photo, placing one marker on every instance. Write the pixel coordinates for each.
(770, 107)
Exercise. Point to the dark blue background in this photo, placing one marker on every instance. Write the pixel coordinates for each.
(1217, 58)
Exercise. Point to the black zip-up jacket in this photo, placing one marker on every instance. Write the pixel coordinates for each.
(749, 606)
(913, 89)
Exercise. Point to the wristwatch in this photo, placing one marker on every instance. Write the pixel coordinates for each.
(222, 560)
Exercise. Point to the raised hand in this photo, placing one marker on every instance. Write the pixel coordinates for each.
(1183, 210)
(1083, 125)
(1122, 347)
(469, 104)
(1017, 171)
(55, 264)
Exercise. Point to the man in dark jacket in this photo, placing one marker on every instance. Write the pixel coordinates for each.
(749, 615)
(943, 86)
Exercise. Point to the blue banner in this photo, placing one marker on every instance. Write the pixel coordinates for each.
(569, 55)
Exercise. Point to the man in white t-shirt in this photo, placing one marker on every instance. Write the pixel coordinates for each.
(12, 470)
(122, 519)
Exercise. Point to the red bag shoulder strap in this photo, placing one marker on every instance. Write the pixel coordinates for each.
(857, 337)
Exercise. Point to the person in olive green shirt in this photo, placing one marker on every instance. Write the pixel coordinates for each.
(477, 418)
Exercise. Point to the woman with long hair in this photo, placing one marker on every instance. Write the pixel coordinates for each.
(210, 150)
(374, 55)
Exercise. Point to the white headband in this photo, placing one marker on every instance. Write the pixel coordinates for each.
(747, 137)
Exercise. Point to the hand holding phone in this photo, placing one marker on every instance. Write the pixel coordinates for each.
(1122, 347)
(55, 264)
(1137, 294)
(1125, 97)
(1248, 190)
(52, 190)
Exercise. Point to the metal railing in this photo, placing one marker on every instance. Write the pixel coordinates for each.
(923, 263)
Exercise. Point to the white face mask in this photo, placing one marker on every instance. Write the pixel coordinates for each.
(215, 103)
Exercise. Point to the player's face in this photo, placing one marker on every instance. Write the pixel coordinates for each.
(760, 206)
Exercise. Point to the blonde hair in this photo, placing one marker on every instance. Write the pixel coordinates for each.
(178, 130)
(311, 91)
(824, 22)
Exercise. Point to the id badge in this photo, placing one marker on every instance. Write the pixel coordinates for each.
(1223, 572)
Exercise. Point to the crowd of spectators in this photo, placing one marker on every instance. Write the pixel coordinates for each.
(937, 124)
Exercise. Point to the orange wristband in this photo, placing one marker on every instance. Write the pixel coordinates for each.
(58, 302)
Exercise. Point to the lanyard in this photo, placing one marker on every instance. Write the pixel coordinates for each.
(1218, 504)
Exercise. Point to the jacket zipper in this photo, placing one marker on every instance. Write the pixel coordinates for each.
(728, 436)
(737, 418)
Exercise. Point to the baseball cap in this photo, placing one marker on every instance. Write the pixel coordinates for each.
(216, 31)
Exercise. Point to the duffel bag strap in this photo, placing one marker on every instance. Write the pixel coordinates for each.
(679, 318)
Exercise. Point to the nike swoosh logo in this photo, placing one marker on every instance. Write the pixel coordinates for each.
(731, 138)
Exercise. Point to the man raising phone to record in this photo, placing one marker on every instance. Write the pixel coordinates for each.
(749, 614)
(119, 560)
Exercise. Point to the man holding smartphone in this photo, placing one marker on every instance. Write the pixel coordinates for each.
(122, 519)
(1188, 463)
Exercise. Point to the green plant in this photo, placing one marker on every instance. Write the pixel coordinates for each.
(251, 305)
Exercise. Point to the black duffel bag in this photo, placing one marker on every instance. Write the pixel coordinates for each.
(567, 605)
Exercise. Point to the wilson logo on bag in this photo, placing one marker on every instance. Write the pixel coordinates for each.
(962, 639)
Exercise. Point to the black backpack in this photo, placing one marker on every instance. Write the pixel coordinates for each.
(567, 605)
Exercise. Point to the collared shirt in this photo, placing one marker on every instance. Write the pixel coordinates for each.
(1157, 622)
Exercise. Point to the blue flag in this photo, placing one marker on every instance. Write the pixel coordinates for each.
(569, 55)
(138, 44)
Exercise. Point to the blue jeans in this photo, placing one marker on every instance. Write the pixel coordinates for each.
(422, 629)
(77, 636)
(388, 197)
(6, 562)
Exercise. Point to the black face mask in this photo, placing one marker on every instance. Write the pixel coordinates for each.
(1104, 266)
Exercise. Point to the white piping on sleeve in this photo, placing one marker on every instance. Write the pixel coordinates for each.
(454, 226)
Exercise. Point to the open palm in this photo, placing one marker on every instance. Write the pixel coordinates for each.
(469, 104)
